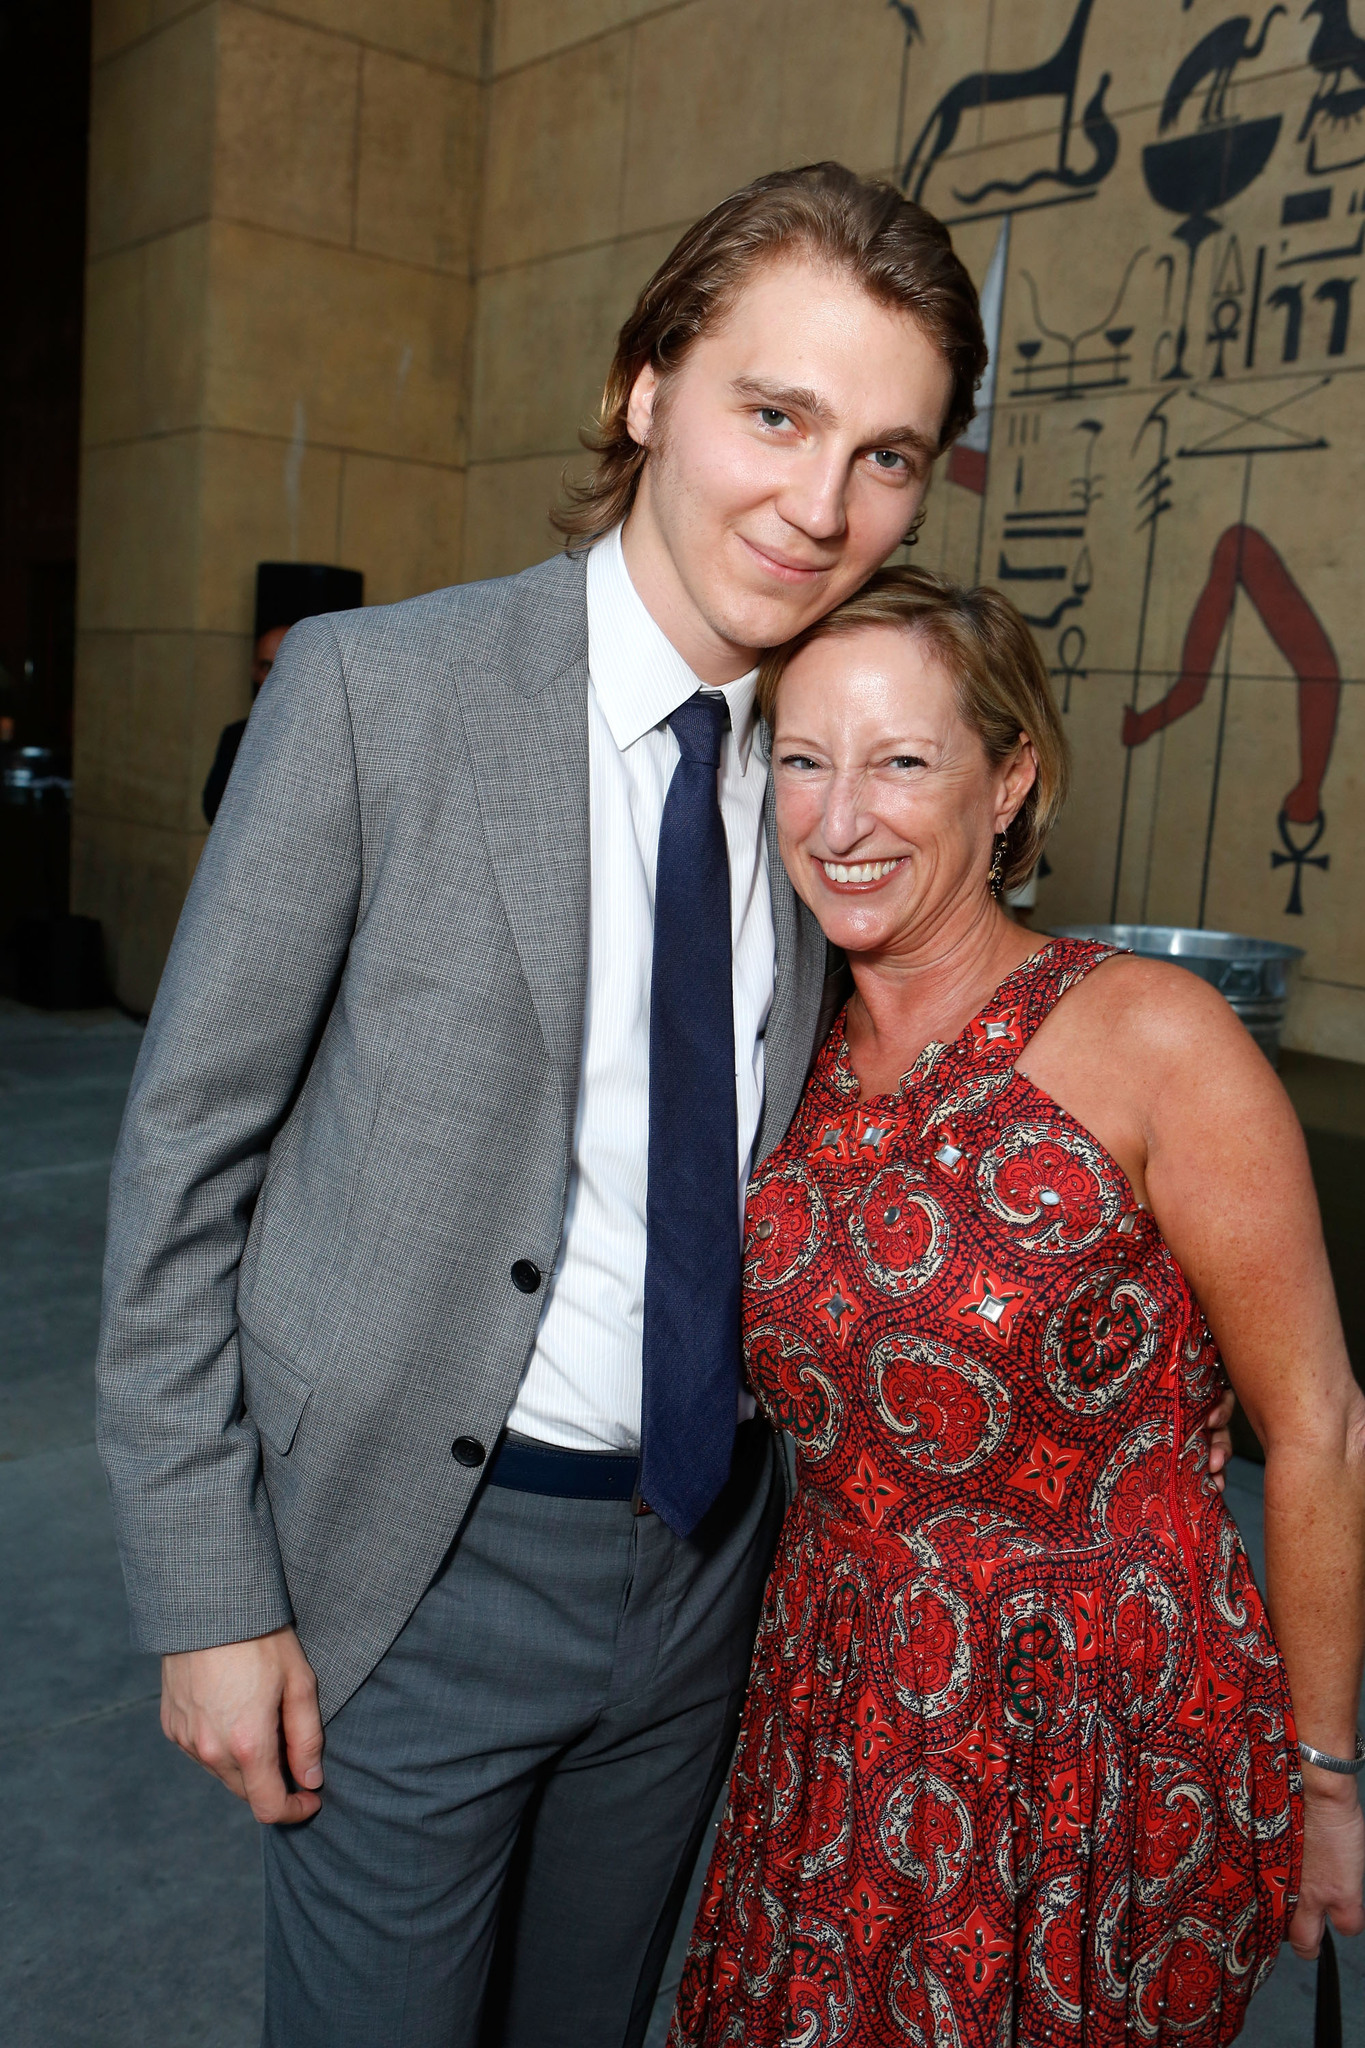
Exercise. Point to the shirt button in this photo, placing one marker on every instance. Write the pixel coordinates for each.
(526, 1276)
(467, 1450)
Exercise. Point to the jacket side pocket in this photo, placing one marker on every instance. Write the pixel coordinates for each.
(275, 1394)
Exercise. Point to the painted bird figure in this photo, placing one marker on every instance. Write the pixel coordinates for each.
(1211, 64)
(1335, 47)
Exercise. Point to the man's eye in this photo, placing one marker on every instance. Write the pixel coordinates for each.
(772, 416)
(888, 459)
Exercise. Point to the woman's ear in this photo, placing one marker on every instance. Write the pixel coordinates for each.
(640, 406)
(1017, 778)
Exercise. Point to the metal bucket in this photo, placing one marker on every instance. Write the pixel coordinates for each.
(1256, 975)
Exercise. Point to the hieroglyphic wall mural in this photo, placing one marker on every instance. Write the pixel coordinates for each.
(1164, 206)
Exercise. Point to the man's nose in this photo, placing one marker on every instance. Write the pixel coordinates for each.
(814, 499)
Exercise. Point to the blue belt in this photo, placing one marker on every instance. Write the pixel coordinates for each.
(528, 1467)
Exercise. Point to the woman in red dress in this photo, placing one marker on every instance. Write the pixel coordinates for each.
(1022, 1760)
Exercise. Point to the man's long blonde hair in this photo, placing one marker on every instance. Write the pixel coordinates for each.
(901, 255)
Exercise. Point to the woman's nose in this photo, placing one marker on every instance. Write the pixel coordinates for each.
(844, 821)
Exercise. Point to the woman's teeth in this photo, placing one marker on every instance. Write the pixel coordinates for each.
(863, 871)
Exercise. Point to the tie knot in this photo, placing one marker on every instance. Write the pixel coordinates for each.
(699, 727)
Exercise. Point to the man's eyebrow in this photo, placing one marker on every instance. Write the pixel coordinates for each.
(798, 398)
(783, 397)
(907, 437)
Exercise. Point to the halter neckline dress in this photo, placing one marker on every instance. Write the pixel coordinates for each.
(1016, 1764)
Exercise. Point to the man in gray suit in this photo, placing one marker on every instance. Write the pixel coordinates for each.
(419, 1381)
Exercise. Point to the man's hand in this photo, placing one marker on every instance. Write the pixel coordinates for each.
(1220, 1435)
(246, 1712)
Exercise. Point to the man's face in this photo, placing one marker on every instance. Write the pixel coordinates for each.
(263, 655)
(788, 456)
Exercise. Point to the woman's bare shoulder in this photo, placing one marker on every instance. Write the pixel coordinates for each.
(1159, 1015)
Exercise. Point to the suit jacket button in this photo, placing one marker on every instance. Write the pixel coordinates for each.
(526, 1276)
(467, 1450)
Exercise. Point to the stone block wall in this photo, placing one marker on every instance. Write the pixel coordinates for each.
(611, 125)
(279, 295)
(356, 272)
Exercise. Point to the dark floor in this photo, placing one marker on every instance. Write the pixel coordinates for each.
(129, 1888)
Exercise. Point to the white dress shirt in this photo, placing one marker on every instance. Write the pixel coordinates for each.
(582, 1385)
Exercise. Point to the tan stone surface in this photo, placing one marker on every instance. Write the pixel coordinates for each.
(525, 30)
(401, 524)
(151, 134)
(507, 507)
(111, 394)
(133, 877)
(840, 81)
(144, 321)
(116, 23)
(419, 134)
(260, 500)
(552, 166)
(155, 767)
(561, 316)
(1326, 1020)
(372, 351)
(104, 663)
(705, 108)
(345, 374)
(175, 282)
(447, 33)
(138, 540)
(287, 100)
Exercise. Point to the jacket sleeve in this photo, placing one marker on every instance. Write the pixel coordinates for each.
(246, 990)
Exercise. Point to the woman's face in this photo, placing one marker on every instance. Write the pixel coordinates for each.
(887, 806)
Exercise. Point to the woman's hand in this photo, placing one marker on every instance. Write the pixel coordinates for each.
(1333, 1864)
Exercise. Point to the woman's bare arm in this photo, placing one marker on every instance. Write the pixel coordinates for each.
(1154, 1062)
(1229, 1184)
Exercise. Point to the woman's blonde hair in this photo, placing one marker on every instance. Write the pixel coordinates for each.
(1003, 691)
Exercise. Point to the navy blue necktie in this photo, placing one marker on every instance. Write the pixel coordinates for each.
(692, 1265)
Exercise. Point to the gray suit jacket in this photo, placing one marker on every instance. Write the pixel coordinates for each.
(353, 1112)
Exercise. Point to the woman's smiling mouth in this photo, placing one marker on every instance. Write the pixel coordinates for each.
(858, 874)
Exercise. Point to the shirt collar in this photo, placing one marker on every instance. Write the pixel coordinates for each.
(638, 674)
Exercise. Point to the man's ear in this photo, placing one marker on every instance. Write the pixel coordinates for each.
(640, 409)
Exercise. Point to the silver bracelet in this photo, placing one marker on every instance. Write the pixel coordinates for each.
(1335, 1763)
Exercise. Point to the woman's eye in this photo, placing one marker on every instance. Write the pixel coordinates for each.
(797, 761)
(772, 416)
(907, 760)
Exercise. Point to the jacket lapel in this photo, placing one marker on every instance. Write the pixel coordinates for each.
(793, 1036)
(525, 707)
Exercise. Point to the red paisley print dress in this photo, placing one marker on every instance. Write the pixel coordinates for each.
(1015, 1766)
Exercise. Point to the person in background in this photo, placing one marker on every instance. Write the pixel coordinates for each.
(285, 593)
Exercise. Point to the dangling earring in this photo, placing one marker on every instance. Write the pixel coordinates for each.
(911, 538)
(996, 878)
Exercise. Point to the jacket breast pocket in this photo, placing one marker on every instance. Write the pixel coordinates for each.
(276, 1396)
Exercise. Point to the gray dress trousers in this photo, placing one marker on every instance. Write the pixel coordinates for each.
(515, 1796)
